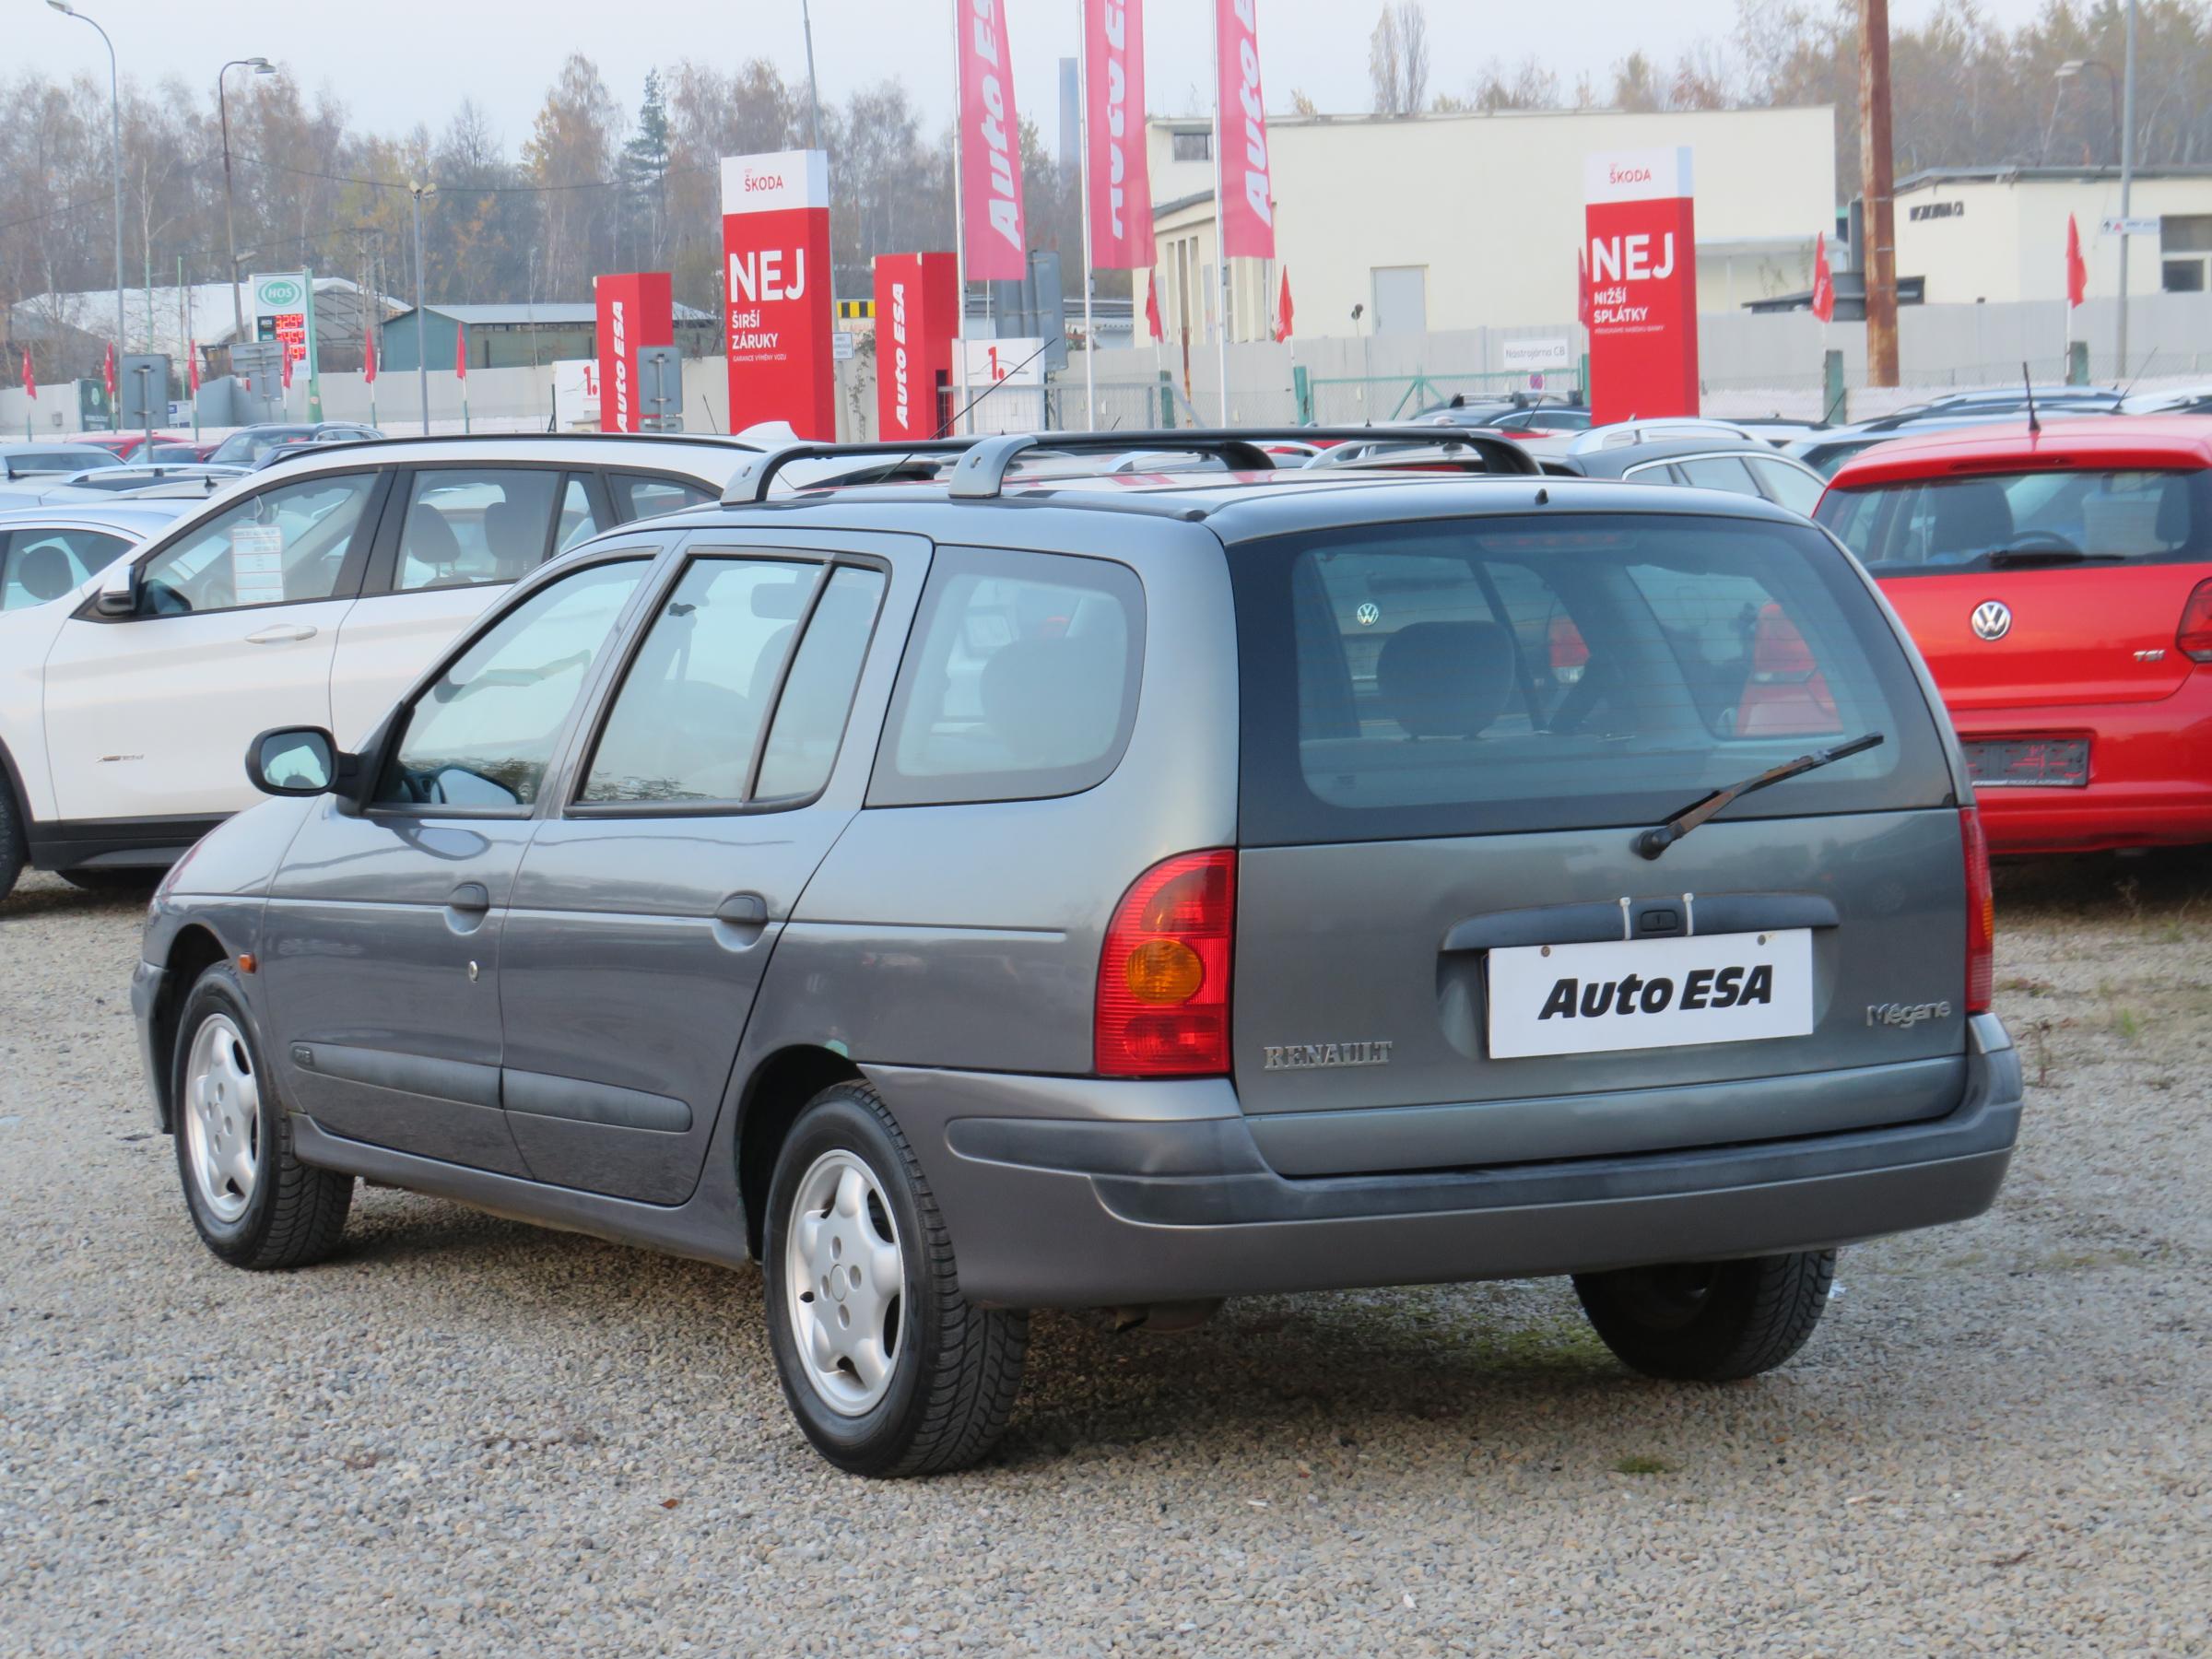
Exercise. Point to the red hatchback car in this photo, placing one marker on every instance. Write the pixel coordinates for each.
(2060, 585)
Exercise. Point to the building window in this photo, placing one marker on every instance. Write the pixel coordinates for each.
(1192, 146)
(2185, 238)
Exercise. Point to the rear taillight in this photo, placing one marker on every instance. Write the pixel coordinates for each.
(1569, 653)
(1163, 976)
(2194, 639)
(1980, 914)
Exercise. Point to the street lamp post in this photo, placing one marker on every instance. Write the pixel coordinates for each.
(260, 65)
(2073, 67)
(417, 189)
(114, 153)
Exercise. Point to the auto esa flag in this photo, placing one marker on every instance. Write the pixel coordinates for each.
(1114, 100)
(1247, 183)
(989, 144)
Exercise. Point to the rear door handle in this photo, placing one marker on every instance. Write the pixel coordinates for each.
(471, 895)
(284, 634)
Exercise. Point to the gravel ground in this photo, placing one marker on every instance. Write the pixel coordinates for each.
(465, 1435)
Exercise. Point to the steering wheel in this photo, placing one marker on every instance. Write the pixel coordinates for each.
(2040, 541)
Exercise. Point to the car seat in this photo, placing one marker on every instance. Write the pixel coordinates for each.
(1446, 679)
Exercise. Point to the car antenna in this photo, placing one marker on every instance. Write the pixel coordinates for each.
(2143, 369)
(2035, 426)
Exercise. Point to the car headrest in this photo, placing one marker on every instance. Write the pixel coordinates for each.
(1446, 679)
(430, 540)
(45, 571)
(1970, 518)
(1053, 702)
(507, 532)
(2173, 527)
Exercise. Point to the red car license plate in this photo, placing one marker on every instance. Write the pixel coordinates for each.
(2044, 762)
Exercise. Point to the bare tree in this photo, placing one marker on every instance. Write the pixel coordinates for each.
(1386, 64)
(1413, 57)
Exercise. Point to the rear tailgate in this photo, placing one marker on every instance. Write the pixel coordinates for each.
(1962, 558)
(1428, 805)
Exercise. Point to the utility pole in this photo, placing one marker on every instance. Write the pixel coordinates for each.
(115, 165)
(2127, 183)
(814, 96)
(417, 189)
(1876, 183)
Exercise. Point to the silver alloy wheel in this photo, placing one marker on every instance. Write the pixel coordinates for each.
(223, 1118)
(846, 1282)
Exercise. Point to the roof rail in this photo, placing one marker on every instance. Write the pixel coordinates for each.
(749, 485)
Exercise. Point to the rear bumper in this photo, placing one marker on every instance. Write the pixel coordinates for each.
(1067, 1192)
(2150, 774)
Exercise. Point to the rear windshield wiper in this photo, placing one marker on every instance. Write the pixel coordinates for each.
(1653, 842)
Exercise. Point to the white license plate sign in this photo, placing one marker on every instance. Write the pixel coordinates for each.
(1590, 999)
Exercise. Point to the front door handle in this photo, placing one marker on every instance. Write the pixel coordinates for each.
(470, 896)
(742, 910)
(283, 634)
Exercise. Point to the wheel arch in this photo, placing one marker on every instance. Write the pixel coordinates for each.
(190, 953)
(774, 1094)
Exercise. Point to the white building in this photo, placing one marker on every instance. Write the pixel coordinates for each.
(1999, 233)
(1437, 222)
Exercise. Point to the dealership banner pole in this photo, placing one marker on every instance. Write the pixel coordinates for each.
(1220, 234)
(1090, 340)
(960, 221)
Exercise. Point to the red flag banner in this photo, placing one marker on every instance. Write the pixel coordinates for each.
(191, 366)
(991, 237)
(1152, 307)
(1113, 99)
(287, 360)
(2078, 268)
(1248, 211)
(369, 357)
(1282, 310)
(1824, 282)
(30, 381)
(107, 373)
(461, 350)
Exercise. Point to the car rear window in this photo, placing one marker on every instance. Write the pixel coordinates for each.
(1501, 675)
(1929, 526)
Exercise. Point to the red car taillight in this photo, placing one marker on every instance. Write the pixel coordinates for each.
(1163, 976)
(1569, 656)
(1980, 914)
(2194, 638)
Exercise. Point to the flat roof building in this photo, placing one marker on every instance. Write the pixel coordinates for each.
(1455, 221)
(1999, 233)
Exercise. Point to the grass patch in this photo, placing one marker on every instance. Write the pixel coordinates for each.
(1643, 1465)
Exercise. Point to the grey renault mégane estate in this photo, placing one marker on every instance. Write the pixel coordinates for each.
(995, 888)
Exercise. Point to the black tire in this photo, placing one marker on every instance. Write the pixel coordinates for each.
(12, 847)
(113, 881)
(1710, 1321)
(294, 1216)
(955, 1367)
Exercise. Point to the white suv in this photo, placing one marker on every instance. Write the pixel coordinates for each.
(312, 593)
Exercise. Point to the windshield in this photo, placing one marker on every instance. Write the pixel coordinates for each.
(254, 443)
(42, 462)
(1496, 675)
(1929, 526)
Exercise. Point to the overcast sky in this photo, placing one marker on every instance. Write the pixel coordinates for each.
(399, 62)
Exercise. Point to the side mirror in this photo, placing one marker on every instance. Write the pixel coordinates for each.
(294, 761)
(118, 595)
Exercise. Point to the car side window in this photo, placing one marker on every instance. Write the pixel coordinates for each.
(483, 733)
(39, 565)
(638, 495)
(689, 715)
(1717, 472)
(1019, 682)
(284, 546)
(467, 526)
(1784, 485)
(809, 723)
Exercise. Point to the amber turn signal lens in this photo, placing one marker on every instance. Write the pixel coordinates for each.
(1165, 970)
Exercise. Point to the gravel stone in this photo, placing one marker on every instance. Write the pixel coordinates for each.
(463, 1435)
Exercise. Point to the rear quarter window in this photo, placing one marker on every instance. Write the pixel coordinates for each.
(1020, 680)
(1500, 674)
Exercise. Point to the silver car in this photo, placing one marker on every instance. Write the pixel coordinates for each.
(1005, 891)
